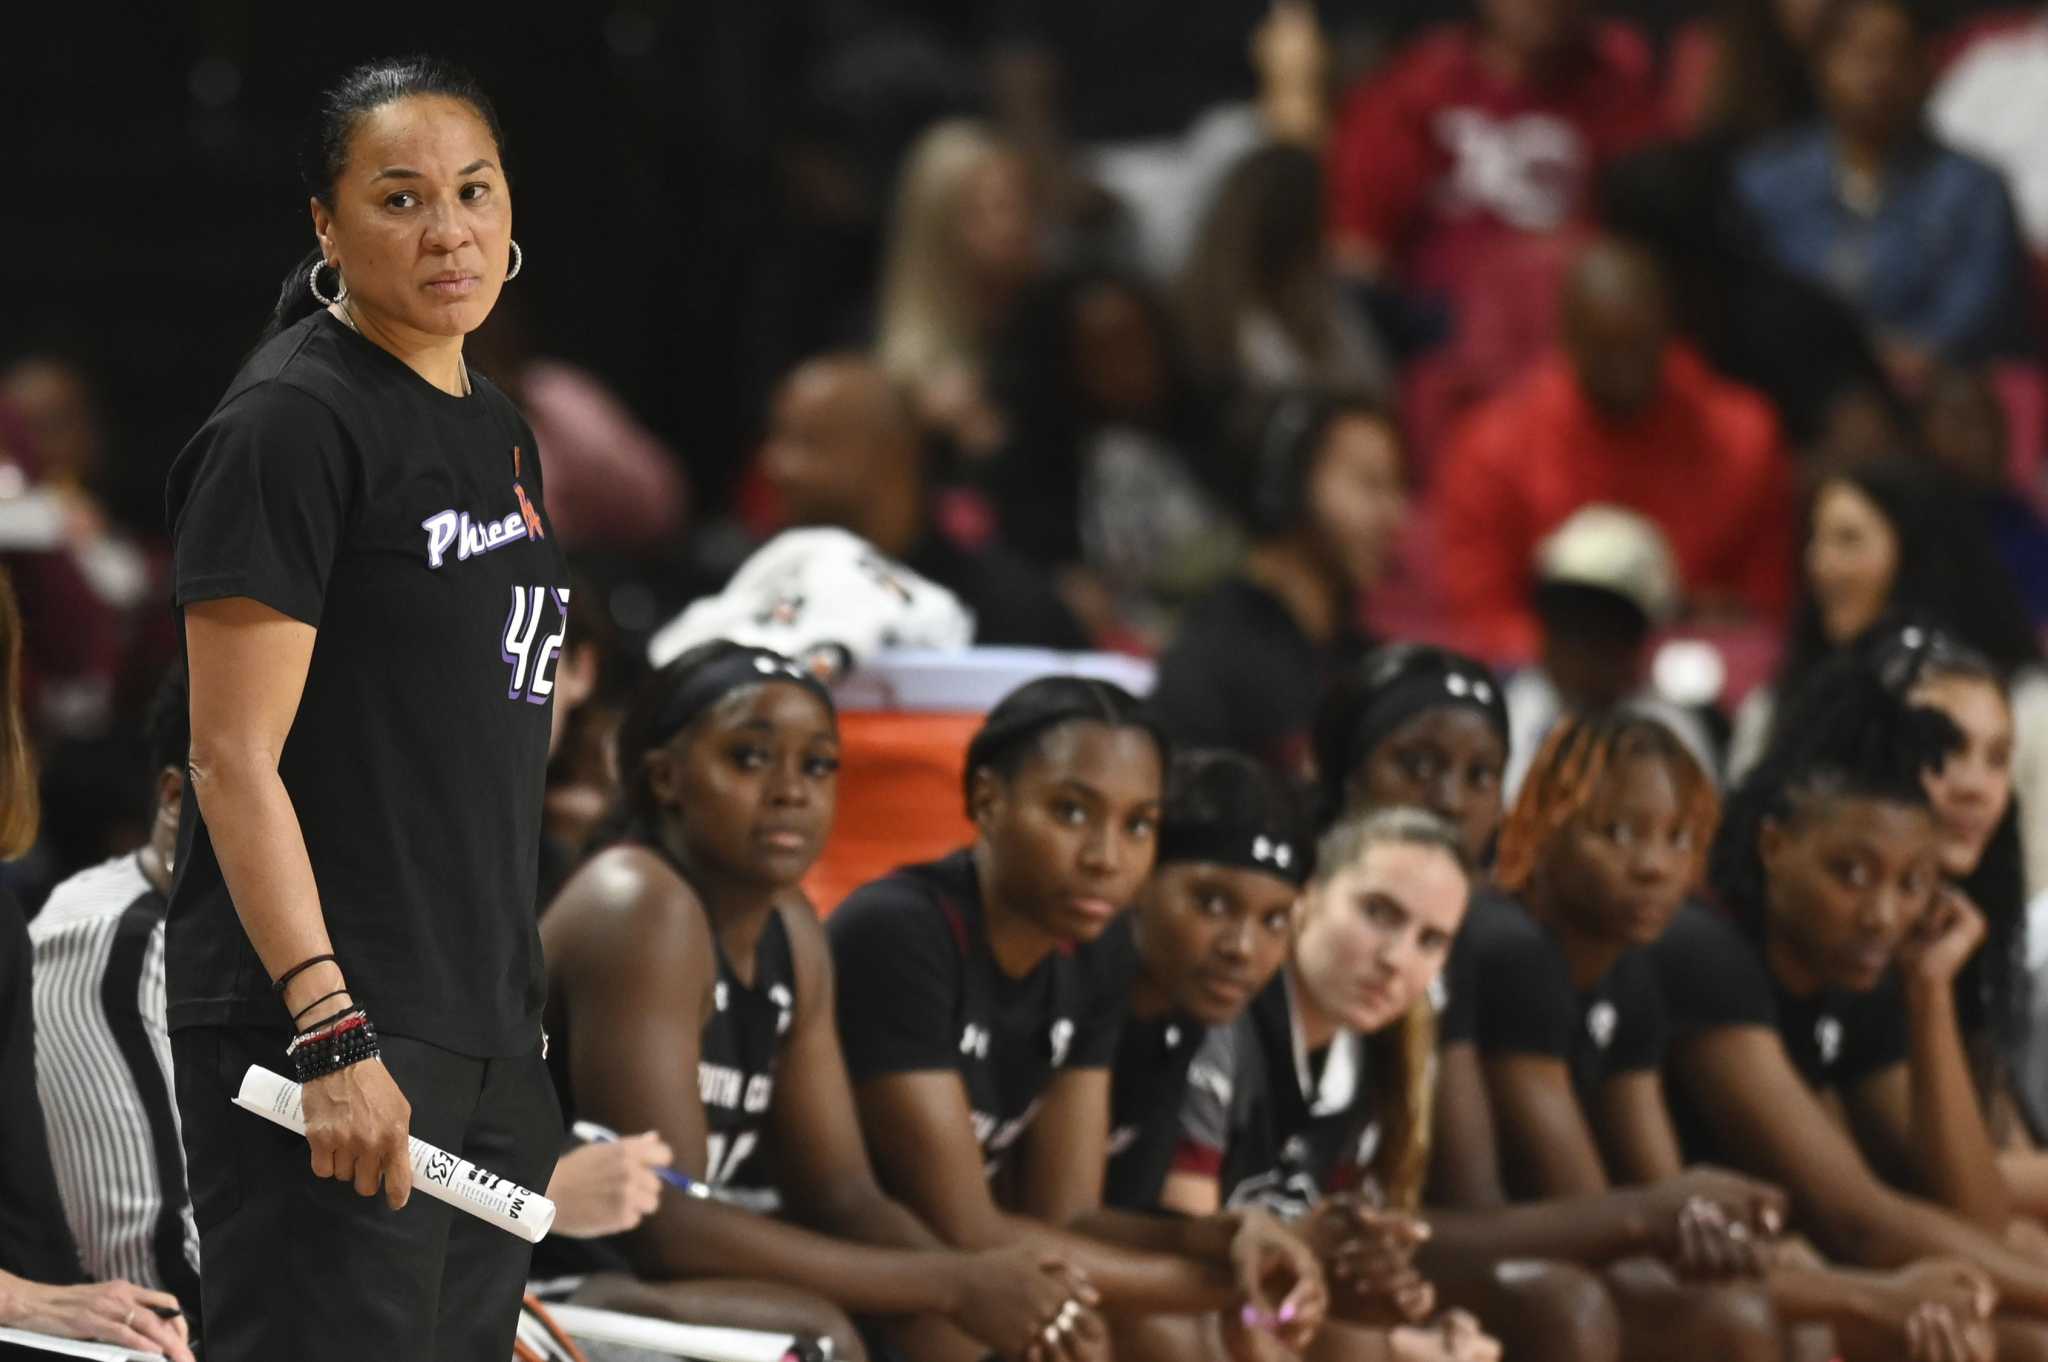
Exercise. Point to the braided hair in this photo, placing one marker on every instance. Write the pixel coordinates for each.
(1848, 737)
(1567, 777)
(1020, 721)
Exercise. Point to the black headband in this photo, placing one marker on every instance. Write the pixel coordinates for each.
(1422, 689)
(712, 682)
(1243, 846)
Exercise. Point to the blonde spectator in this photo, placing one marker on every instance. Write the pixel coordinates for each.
(963, 241)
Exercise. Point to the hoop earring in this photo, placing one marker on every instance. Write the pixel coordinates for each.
(518, 260)
(340, 285)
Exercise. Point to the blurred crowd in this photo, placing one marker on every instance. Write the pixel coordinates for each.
(1321, 322)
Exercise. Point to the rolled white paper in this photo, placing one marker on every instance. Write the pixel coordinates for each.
(441, 1175)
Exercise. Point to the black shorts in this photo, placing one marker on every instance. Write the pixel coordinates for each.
(293, 1266)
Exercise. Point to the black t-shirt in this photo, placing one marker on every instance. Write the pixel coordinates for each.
(1148, 1087)
(1526, 1004)
(1712, 976)
(334, 484)
(920, 991)
(1241, 674)
(1277, 1126)
(35, 1238)
(1454, 992)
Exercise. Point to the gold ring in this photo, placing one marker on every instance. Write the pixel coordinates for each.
(129, 1318)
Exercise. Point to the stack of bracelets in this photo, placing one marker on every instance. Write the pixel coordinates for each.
(329, 1046)
(333, 1045)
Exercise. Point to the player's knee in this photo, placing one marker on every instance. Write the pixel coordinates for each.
(1736, 1322)
(1557, 1313)
(831, 1323)
(2021, 1340)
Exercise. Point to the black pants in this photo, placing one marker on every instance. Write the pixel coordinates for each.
(294, 1266)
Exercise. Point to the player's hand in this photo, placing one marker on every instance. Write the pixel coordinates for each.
(1944, 939)
(1455, 1337)
(358, 1123)
(607, 1188)
(1369, 1256)
(1022, 1301)
(1279, 1281)
(1711, 1224)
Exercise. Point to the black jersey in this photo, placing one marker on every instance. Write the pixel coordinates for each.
(1277, 1125)
(337, 486)
(738, 1056)
(1712, 976)
(920, 991)
(1147, 1090)
(1525, 1002)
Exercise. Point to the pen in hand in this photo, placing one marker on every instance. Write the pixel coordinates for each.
(590, 1132)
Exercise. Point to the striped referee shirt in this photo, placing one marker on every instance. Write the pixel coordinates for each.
(103, 1071)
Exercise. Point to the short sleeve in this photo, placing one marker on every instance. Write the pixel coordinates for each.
(1109, 968)
(1644, 1032)
(897, 971)
(1524, 1003)
(1206, 1107)
(1874, 1034)
(259, 501)
(1708, 976)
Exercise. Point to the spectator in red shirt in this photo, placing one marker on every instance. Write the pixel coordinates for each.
(1624, 414)
(1476, 135)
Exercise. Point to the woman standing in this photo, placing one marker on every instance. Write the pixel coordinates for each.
(373, 609)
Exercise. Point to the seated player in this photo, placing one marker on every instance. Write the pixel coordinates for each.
(979, 1003)
(1323, 1087)
(1977, 813)
(1814, 1036)
(1607, 839)
(1211, 927)
(1423, 726)
(691, 993)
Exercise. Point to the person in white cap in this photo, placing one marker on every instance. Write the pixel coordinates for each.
(1605, 581)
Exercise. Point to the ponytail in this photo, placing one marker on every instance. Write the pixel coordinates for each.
(295, 301)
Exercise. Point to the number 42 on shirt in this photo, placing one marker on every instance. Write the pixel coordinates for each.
(531, 656)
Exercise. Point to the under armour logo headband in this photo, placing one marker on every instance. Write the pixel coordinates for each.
(1266, 850)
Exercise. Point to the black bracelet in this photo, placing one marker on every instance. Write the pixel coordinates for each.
(296, 970)
(320, 1053)
(315, 1003)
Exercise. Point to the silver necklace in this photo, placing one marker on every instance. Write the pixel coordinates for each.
(341, 310)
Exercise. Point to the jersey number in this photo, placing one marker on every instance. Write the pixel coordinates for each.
(724, 1154)
(531, 657)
